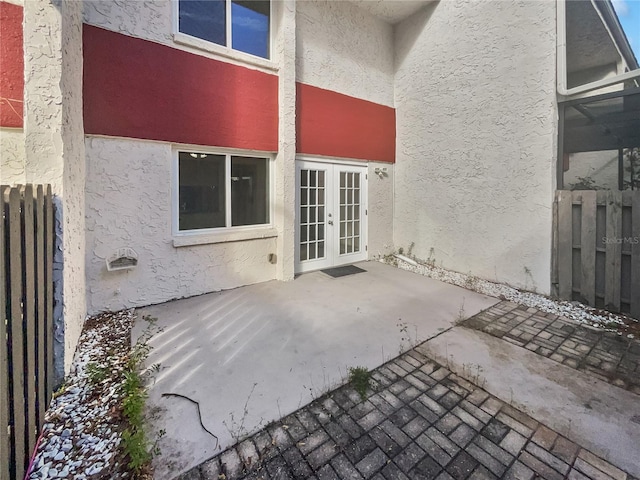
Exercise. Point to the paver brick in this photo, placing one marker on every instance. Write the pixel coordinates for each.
(544, 437)
(416, 426)
(492, 406)
(601, 465)
(494, 450)
(513, 442)
(463, 435)
(444, 442)
(425, 468)
(371, 419)
(338, 434)
(409, 394)
(462, 466)
(409, 457)
(485, 459)
(437, 391)
(519, 471)
(541, 468)
(395, 433)
(385, 442)
(565, 450)
(322, 454)
(357, 450)
(399, 386)
(392, 472)
(514, 424)
(314, 440)
(548, 458)
(326, 472)
(495, 430)
(402, 416)
(298, 467)
(434, 450)
(373, 462)
(467, 418)
(344, 469)
(308, 420)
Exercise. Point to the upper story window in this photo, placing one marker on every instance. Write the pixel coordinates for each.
(236, 24)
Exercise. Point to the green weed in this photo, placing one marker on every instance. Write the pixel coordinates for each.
(359, 378)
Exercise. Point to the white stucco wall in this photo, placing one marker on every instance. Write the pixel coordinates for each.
(285, 170)
(343, 48)
(476, 136)
(380, 210)
(12, 156)
(150, 19)
(54, 143)
(129, 205)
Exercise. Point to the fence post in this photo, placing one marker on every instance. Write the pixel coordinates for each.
(588, 246)
(40, 307)
(15, 332)
(29, 309)
(635, 257)
(613, 253)
(5, 451)
(565, 245)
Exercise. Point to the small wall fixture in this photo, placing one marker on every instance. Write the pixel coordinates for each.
(123, 259)
(380, 171)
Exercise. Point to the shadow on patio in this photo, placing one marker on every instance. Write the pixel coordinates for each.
(254, 354)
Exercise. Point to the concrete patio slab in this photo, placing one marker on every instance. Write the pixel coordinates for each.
(254, 354)
(599, 416)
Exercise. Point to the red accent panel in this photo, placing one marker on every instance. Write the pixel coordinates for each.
(336, 125)
(140, 89)
(11, 65)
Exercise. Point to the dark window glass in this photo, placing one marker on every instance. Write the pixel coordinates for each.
(205, 19)
(249, 191)
(250, 27)
(201, 197)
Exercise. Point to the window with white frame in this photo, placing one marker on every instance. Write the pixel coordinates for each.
(221, 191)
(242, 25)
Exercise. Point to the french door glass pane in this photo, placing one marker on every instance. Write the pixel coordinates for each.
(312, 212)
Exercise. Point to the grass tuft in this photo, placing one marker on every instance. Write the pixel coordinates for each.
(359, 378)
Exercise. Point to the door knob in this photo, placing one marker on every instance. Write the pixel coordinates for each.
(330, 222)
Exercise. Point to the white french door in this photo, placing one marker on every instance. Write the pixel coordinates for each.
(331, 203)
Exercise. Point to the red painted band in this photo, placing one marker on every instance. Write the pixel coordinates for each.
(11, 66)
(140, 89)
(336, 125)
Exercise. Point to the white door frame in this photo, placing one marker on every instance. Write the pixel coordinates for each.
(332, 257)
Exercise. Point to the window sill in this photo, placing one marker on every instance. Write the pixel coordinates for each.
(239, 58)
(189, 239)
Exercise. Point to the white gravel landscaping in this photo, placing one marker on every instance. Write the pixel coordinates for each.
(576, 311)
(82, 431)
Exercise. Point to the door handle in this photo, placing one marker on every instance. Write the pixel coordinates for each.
(330, 222)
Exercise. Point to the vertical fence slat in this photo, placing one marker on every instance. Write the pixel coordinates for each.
(49, 245)
(15, 325)
(588, 247)
(635, 257)
(613, 251)
(40, 305)
(565, 244)
(29, 309)
(5, 452)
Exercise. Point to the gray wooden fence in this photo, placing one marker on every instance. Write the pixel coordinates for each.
(26, 328)
(597, 248)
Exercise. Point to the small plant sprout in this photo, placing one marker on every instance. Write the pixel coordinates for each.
(359, 378)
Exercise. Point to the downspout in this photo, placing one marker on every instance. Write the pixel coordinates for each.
(561, 60)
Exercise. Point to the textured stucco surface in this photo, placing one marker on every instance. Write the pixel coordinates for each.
(150, 20)
(285, 176)
(343, 48)
(54, 144)
(476, 123)
(11, 156)
(380, 210)
(128, 204)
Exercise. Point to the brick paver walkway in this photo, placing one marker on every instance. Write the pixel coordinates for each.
(422, 422)
(608, 356)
